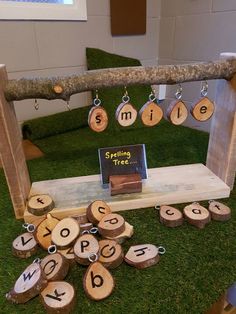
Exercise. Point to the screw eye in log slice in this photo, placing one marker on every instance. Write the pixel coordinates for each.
(142, 256)
(127, 234)
(151, 114)
(197, 215)
(58, 297)
(97, 119)
(110, 253)
(98, 282)
(97, 210)
(40, 204)
(24, 245)
(111, 225)
(177, 112)
(170, 216)
(203, 109)
(219, 211)
(126, 114)
(55, 266)
(85, 246)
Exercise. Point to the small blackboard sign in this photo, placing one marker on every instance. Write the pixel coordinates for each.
(122, 160)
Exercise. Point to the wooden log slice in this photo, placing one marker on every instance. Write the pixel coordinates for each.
(30, 283)
(98, 282)
(171, 216)
(219, 211)
(177, 112)
(203, 109)
(110, 253)
(126, 114)
(55, 266)
(142, 256)
(85, 227)
(97, 210)
(82, 219)
(24, 245)
(68, 254)
(43, 231)
(65, 233)
(58, 297)
(84, 246)
(98, 119)
(127, 234)
(151, 114)
(197, 215)
(111, 225)
(40, 204)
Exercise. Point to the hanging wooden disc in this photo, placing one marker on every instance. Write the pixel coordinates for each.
(197, 215)
(97, 119)
(111, 225)
(151, 114)
(84, 246)
(142, 256)
(219, 211)
(171, 216)
(24, 245)
(98, 282)
(177, 112)
(126, 114)
(65, 233)
(82, 219)
(127, 234)
(110, 253)
(44, 231)
(40, 204)
(85, 227)
(203, 109)
(97, 210)
(55, 266)
(68, 254)
(58, 297)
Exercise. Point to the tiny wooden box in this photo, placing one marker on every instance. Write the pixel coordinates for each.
(125, 183)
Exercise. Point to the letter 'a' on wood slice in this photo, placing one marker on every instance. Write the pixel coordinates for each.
(24, 245)
(98, 282)
(127, 234)
(40, 204)
(142, 256)
(219, 211)
(98, 119)
(84, 247)
(55, 266)
(97, 210)
(203, 109)
(30, 283)
(111, 225)
(197, 215)
(151, 114)
(58, 297)
(170, 216)
(110, 253)
(68, 254)
(126, 114)
(177, 112)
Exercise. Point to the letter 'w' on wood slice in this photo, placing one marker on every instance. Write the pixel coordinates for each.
(85, 246)
(219, 211)
(58, 297)
(127, 234)
(126, 114)
(111, 225)
(197, 215)
(30, 283)
(142, 256)
(65, 233)
(203, 109)
(98, 119)
(98, 282)
(110, 253)
(170, 216)
(97, 210)
(24, 245)
(151, 114)
(40, 204)
(55, 266)
(177, 112)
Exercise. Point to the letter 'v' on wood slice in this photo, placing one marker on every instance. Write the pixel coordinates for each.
(142, 256)
(197, 215)
(126, 114)
(177, 112)
(97, 210)
(151, 114)
(111, 225)
(84, 246)
(127, 234)
(24, 245)
(219, 211)
(40, 204)
(170, 216)
(97, 119)
(55, 266)
(203, 109)
(111, 253)
(98, 282)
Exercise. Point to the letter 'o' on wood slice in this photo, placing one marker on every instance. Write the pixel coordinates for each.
(219, 211)
(111, 225)
(65, 233)
(151, 114)
(24, 245)
(98, 119)
(170, 216)
(177, 112)
(40, 204)
(126, 114)
(142, 256)
(97, 210)
(30, 283)
(55, 266)
(197, 215)
(127, 234)
(84, 246)
(203, 109)
(98, 282)
(58, 297)
(110, 253)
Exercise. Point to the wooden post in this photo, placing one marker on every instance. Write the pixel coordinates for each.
(11, 151)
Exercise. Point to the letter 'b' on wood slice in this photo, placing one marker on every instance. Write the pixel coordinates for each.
(55, 266)
(84, 246)
(24, 245)
(151, 114)
(44, 231)
(98, 119)
(203, 109)
(127, 234)
(142, 256)
(98, 282)
(177, 112)
(219, 211)
(111, 254)
(65, 233)
(170, 216)
(111, 225)
(197, 215)
(40, 204)
(126, 114)
(97, 210)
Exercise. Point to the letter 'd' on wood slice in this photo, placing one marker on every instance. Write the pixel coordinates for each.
(111, 225)
(97, 119)
(170, 216)
(177, 112)
(84, 246)
(151, 114)
(203, 109)
(40, 204)
(97, 210)
(24, 245)
(55, 266)
(142, 256)
(197, 215)
(126, 114)
(127, 234)
(65, 233)
(44, 231)
(98, 282)
(110, 253)
(219, 211)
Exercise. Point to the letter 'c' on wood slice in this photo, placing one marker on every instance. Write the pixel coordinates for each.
(203, 109)
(151, 114)
(170, 216)
(197, 215)
(98, 282)
(127, 234)
(58, 297)
(55, 266)
(65, 233)
(40, 204)
(24, 245)
(97, 210)
(110, 253)
(177, 112)
(126, 114)
(97, 119)
(84, 246)
(219, 211)
(111, 225)
(30, 283)
(142, 256)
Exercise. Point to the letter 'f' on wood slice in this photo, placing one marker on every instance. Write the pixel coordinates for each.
(110, 253)
(111, 225)
(55, 266)
(98, 282)
(177, 112)
(219, 211)
(126, 114)
(84, 246)
(170, 216)
(40, 204)
(24, 245)
(142, 256)
(197, 215)
(151, 114)
(98, 119)
(127, 234)
(58, 297)
(203, 109)
(97, 210)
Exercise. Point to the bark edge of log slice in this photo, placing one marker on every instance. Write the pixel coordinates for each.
(219, 211)
(24, 245)
(40, 204)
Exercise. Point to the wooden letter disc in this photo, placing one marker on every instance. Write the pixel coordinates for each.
(126, 114)
(85, 227)
(44, 230)
(97, 210)
(24, 245)
(219, 211)
(111, 225)
(65, 233)
(203, 109)
(110, 253)
(84, 246)
(40, 204)
(142, 256)
(170, 216)
(55, 266)
(127, 234)
(68, 254)
(82, 219)
(58, 297)
(197, 215)
(177, 112)
(97, 119)
(151, 114)
(98, 282)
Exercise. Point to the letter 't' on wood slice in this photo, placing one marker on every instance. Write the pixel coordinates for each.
(203, 109)
(177, 112)
(197, 215)
(97, 210)
(219, 211)
(65, 233)
(58, 297)
(84, 246)
(111, 225)
(170, 216)
(30, 283)
(127, 234)
(110, 253)
(142, 256)
(97, 119)
(40, 204)
(151, 114)
(24, 245)
(55, 266)
(98, 282)
(126, 114)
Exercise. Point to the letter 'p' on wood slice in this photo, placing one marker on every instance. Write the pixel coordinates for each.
(110, 253)
(98, 282)
(170, 216)
(111, 225)
(142, 256)
(40, 204)
(55, 266)
(24, 245)
(65, 233)
(97, 210)
(126, 114)
(151, 114)
(44, 231)
(97, 119)
(219, 211)
(127, 234)
(84, 246)
(58, 297)
(177, 112)
(197, 215)
(203, 109)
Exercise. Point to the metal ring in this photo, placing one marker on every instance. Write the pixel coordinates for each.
(93, 230)
(161, 250)
(30, 228)
(204, 89)
(157, 207)
(52, 249)
(37, 260)
(125, 99)
(85, 232)
(178, 94)
(97, 102)
(210, 201)
(93, 257)
(25, 225)
(152, 97)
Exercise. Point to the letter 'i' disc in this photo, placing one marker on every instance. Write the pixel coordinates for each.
(142, 256)
(151, 114)
(203, 109)
(97, 119)
(197, 215)
(126, 114)
(177, 112)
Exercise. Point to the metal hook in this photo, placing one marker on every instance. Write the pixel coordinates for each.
(52, 249)
(37, 260)
(96, 101)
(93, 257)
(161, 250)
(204, 89)
(178, 94)
(68, 105)
(36, 105)
(125, 98)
